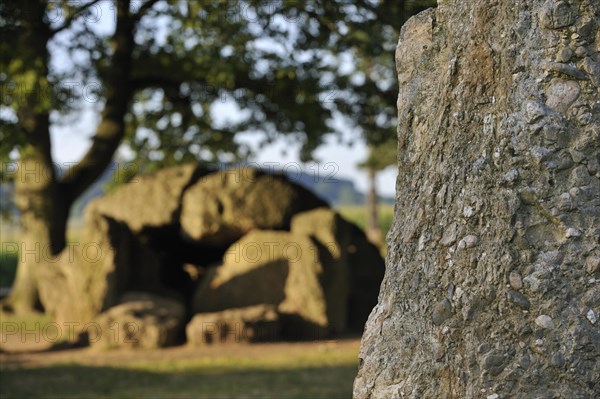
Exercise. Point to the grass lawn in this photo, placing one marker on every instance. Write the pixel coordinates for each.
(280, 370)
(302, 370)
(9, 256)
(358, 215)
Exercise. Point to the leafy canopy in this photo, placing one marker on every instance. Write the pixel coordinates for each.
(301, 69)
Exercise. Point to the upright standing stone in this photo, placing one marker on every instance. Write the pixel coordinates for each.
(499, 124)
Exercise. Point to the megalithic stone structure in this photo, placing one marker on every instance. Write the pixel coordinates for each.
(492, 285)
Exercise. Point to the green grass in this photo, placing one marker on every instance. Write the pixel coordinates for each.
(313, 373)
(9, 256)
(358, 215)
(29, 322)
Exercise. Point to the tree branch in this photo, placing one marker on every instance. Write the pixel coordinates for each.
(117, 94)
(69, 21)
(144, 8)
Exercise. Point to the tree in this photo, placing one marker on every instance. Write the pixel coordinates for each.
(380, 157)
(156, 80)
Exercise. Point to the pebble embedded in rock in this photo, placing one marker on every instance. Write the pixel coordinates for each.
(484, 348)
(449, 236)
(468, 211)
(442, 312)
(572, 232)
(469, 241)
(591, 316)
(592, 263)
(561, 94)
(534, 111)
(545, 321)
(518, 299)
(580, 51)
(564, 55)
(557, 14)
(593, 70)
(558, 359)
(515, 280)
(525, 361)
(494, 363)
(493, 396)
(510, 177)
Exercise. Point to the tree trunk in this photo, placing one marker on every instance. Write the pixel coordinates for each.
(43, 201)
(43, 217)
(491, 287)
(43, 220)
(373, 228)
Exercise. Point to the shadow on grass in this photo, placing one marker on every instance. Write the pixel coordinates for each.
(77, 381)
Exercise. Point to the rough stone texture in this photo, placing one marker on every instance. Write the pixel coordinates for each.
(353, 269)
(141, 320)
(133, 238)
(251, 324)
(223, 206)
(269, 267)
(113, 255)
(149, 201)
(499, 123)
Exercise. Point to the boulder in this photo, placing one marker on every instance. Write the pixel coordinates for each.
(149, 201)
(352, 267)
(250, 324)
(116, 252)
(223, 206)
(134, 239)
(141, 320)
(163, 234)
(108, 261)
(270, 267)
(498, 131)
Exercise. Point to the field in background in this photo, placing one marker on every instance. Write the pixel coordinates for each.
(9, 240)
(9, 234)
(358, 215)
(276, 370)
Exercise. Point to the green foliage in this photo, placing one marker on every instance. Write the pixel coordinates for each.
(377, 112)
(381, 155)
(121, 175)
(289, 68)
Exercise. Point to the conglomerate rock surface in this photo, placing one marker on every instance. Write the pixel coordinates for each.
(492, 284)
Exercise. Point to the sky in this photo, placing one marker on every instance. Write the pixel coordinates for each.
(69, 143)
